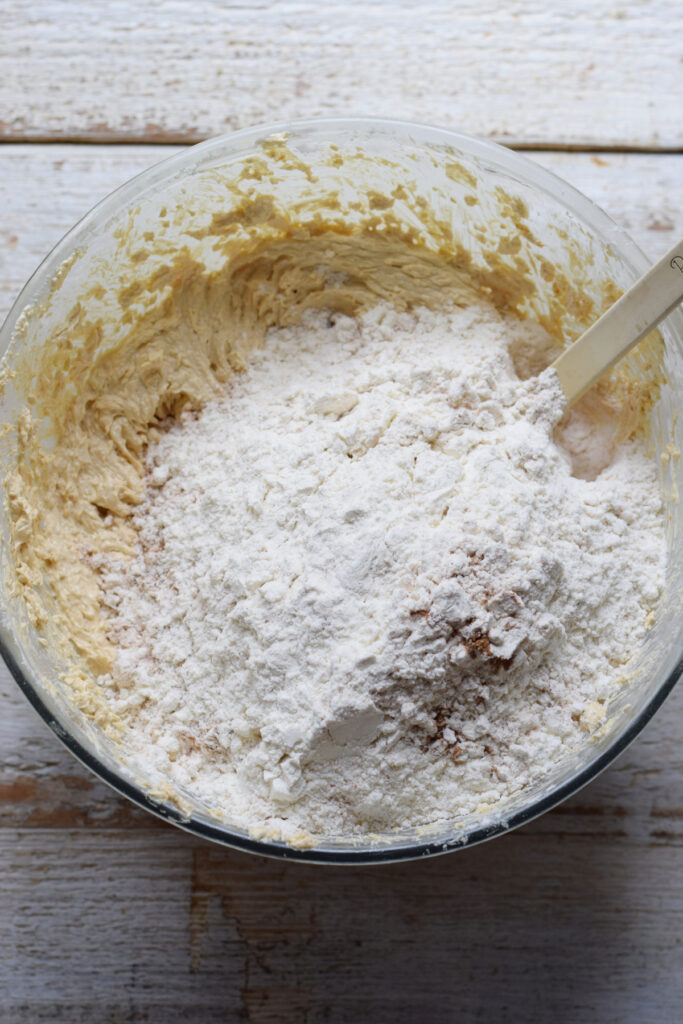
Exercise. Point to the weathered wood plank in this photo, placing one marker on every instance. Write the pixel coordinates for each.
(45, 189)
(580, 74)
(147, 926)
(641, 192)
(97, 930)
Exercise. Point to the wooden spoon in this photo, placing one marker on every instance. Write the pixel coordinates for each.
(623, 325)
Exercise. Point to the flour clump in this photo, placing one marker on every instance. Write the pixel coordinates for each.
(371, 592)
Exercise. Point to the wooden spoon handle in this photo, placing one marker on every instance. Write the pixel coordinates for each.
(622, 326)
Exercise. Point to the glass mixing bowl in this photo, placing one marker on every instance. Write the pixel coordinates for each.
(575, 237)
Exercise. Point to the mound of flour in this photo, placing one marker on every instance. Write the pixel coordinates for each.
(370, 592)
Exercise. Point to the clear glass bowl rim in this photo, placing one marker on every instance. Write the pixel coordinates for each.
(194, 157)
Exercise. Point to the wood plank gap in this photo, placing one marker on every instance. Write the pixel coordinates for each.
(184, 139)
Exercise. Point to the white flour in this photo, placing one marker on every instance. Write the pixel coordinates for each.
(370, 592)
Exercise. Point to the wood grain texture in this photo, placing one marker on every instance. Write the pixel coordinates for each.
(108, 916)
(161, 928)
(571, 74)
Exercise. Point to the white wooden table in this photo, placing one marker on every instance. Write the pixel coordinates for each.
(107, 915)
